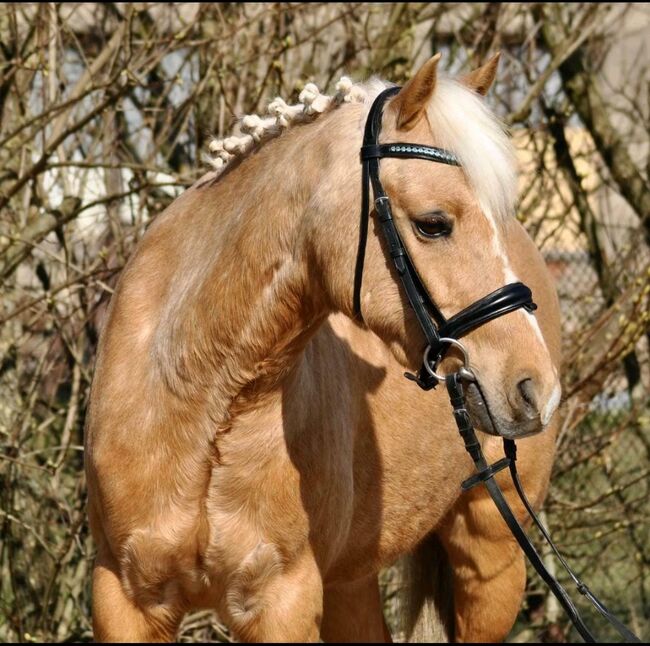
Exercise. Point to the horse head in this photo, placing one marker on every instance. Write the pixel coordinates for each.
(457, 224)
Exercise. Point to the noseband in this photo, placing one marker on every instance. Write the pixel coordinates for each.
(441, 333)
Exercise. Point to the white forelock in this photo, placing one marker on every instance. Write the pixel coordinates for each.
(463, 124)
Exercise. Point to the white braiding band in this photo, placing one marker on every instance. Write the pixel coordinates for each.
(314, 101)
(285, 114)
(256, 127)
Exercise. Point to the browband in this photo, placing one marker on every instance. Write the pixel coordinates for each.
(409, 151)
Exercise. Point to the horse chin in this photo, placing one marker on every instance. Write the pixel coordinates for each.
(509, 429)
(519, 430)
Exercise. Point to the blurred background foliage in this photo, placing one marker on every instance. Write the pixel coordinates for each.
(105, 115)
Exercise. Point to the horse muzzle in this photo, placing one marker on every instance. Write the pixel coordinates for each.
(512, 422)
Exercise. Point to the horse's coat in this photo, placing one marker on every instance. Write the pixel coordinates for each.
(251, 449)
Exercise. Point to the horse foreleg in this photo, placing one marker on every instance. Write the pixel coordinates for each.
(488, 567)
(271, 600)
(117, 618)
(353, 613)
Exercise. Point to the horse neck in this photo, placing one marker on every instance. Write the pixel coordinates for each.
(265, 291)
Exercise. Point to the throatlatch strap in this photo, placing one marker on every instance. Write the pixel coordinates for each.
(371, 132)
(363, 239)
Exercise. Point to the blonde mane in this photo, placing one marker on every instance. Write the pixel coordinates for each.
(463, 123)
(281, 116)
(460, 118)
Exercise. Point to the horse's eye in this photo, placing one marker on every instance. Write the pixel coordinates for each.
(436, 225)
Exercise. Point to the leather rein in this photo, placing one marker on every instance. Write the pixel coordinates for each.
(441, 333)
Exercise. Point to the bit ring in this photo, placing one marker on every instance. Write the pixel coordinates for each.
(465, 371)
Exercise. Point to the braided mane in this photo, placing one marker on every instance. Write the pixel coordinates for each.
(281, 116)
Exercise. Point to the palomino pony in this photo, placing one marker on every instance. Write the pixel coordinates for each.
(253, 448)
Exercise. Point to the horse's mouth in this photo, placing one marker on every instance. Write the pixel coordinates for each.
(485, 419)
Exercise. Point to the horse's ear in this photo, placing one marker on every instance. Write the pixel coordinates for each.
(481, 79)
(414, 96)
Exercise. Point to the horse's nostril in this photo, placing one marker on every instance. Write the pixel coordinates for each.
(526, 389)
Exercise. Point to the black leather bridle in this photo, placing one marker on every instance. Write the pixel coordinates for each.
(438, 331)
(441, 333)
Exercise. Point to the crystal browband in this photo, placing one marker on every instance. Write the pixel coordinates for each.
(375, 151)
